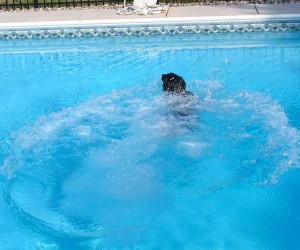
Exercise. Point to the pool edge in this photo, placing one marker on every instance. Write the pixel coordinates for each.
(155, 26)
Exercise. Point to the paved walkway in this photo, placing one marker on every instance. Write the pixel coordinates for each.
(173, 12)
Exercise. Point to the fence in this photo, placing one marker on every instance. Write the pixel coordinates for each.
(27, 4)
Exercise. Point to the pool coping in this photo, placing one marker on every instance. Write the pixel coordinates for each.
(147, 21)
(154, 26)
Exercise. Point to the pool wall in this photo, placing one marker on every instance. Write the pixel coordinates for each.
(274, 23)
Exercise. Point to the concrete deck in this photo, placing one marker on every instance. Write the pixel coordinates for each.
(218, 10)
(278, 9)
(246, 10)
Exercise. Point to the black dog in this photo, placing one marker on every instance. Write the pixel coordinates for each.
(173, 83)
(180, 103)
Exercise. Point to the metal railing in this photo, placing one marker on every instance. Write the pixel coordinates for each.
(28, 4)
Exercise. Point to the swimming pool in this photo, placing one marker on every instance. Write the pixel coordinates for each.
(93, 155)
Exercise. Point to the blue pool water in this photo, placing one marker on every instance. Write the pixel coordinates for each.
(94, 156)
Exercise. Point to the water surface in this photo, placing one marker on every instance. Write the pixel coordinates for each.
(93, 154)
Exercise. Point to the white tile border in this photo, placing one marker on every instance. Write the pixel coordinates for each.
(145, 21)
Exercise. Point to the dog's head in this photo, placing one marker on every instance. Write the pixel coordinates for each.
(173, 83)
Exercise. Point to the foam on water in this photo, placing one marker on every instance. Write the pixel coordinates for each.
(97, 169)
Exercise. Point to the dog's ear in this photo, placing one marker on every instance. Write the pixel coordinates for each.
(163, 77)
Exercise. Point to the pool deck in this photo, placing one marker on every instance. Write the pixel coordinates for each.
(185, 13)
